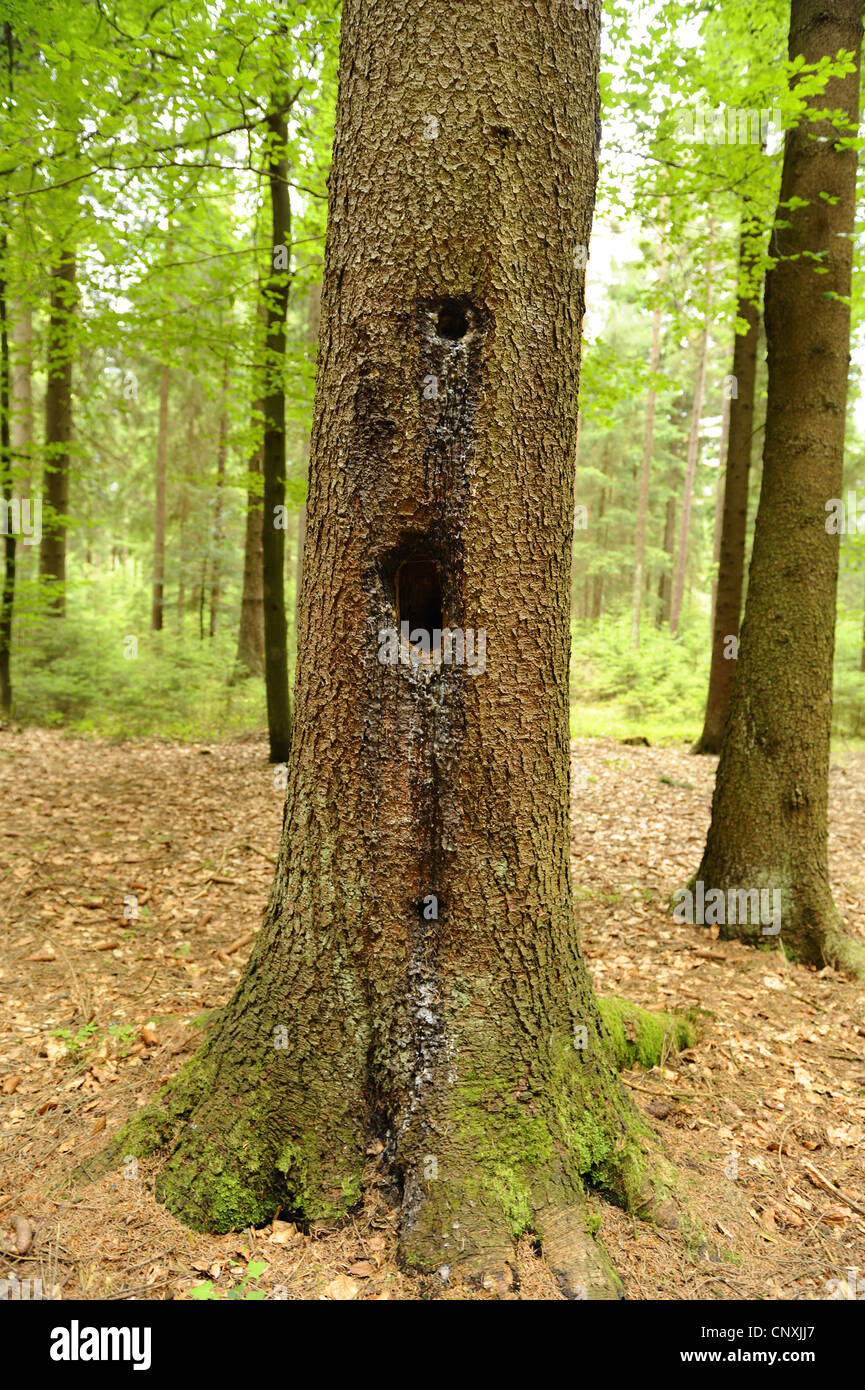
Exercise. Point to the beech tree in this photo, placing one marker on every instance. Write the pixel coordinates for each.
(769, 812)
(418, 979)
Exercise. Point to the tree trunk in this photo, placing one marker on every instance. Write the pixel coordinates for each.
(250, 637)
(769, 813)
(7, 597)
(221, 454)
(862, 653)
(727, 608)
(691, 464)
(720, 488)
(604, 497)
(184, 514)
(277, 288)
(418, 978)
(58, 431)
(665, 583)
(156, 615)
(21, 349)
(646, 463)
(298, 579)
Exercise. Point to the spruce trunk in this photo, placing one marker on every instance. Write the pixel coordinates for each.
(58, 431)
(769, 813)
(417, 986)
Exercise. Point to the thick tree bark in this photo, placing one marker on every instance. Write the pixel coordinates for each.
(731, 567)
(277, 289)
(646, 462)
(298, 579)
(769, 814)
(418, 978)
(58, 430)
(156, 614)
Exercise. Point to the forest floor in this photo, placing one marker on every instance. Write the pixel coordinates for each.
(132, 879)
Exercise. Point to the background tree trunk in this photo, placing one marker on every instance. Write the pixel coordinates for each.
(731, 568)
(250, 636)
(58, 430)
(646, 462)
(156, 615)
(7, 596)
(21, 351)
(720, 488)
(418, 976)
(182, 561)
(665, 582)
(769, 813)
(691, 463)
(277, 288)
(221, 454)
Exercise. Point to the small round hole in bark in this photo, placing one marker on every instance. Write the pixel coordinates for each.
(452, 322)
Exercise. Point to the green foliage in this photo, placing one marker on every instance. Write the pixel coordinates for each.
(78, 675)
(658, 691)
(243, 1291)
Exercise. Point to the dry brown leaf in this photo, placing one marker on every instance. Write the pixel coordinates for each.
(341, 1289)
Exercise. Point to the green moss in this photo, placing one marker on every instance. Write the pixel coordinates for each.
(641, 1036)
(508, 1143)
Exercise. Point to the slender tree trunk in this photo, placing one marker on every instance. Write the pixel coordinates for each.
(156, 615)
(862, 653)
(182, 559)
(601, 528)
(7, 598)
(691, 464)
(646, 462)
(21, 351)
(665, 583)
(731, 568)
(720, 488)
(202, 596)
(418, 980)
(250, 637)
(769, 813)
(277, 288)
(221, 454)
(58, 430)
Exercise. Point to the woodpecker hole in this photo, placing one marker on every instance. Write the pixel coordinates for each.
(452, 322)
(419, 596)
